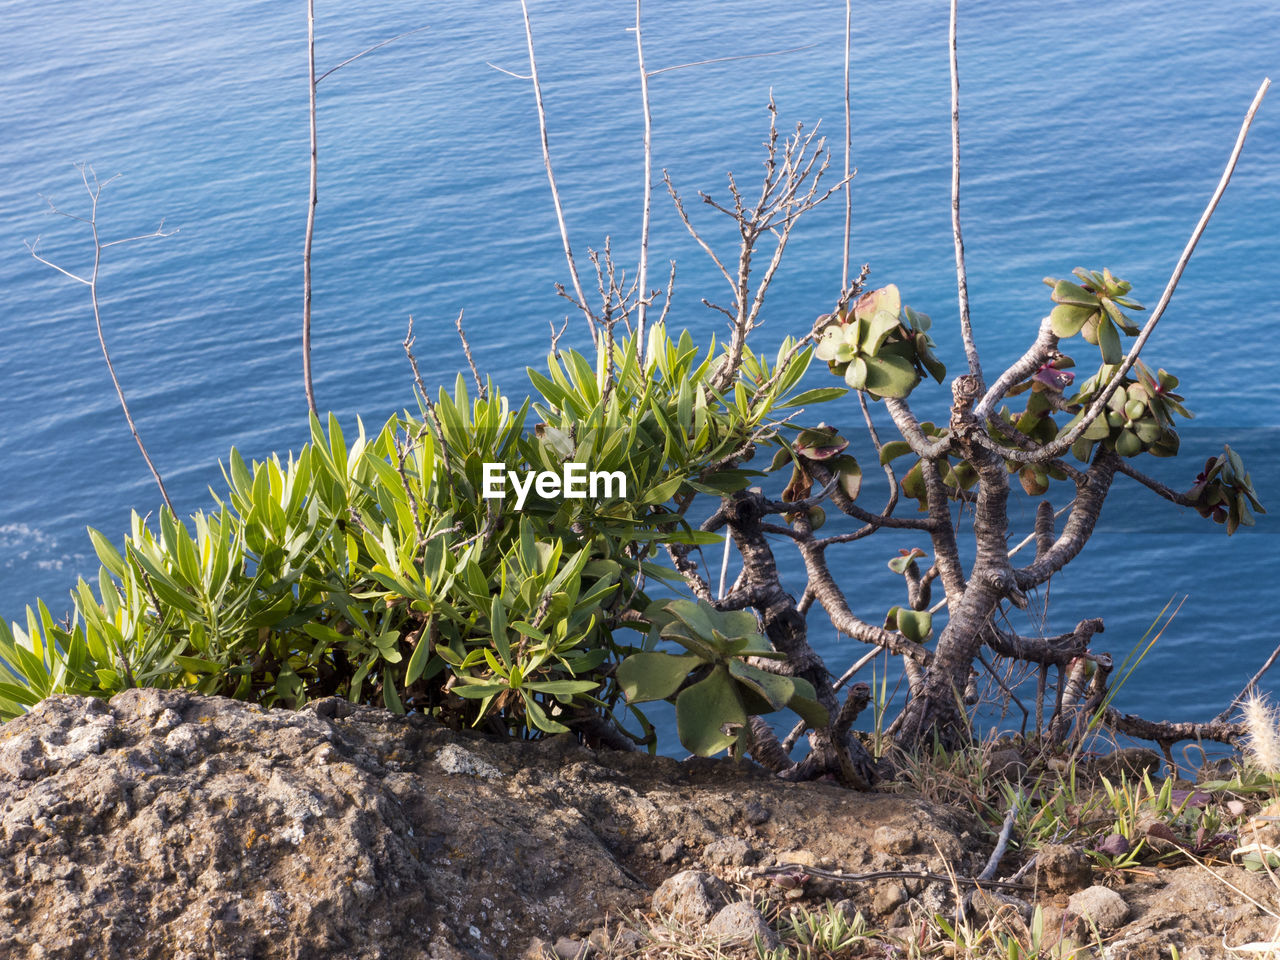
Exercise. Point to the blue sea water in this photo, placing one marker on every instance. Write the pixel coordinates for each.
(1092, 135)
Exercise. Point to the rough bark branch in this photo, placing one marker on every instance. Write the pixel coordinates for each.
(1169, 732)
(833, 601)
(1173, 496)
(1079, 526)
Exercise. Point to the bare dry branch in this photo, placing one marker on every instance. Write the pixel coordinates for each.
(551, 177)
(962, 280)
(1248, 687)
(311, 211)
(481, 389)
(94, 190)
(642, 277)
(1056, 447)
(369, 50)
(848, 143)
(744, 56)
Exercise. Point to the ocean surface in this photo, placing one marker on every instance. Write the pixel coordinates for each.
(1092, 134)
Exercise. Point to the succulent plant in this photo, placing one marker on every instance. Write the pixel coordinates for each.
(1224, 491)
(915, 625)
(1138, 418)
(1092, 308)
(820, 444)
(880, 345)
(712, 711)
(958, 477)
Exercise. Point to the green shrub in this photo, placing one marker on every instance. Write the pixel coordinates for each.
(377, 571)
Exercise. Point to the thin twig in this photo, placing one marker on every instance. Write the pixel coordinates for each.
(1248, 686)
(362, 53)
(848, 143)
(432, 416)
(962, 280)
(481, 389)
(509, 73)
(1006, 831)
(95, 192)
(1056, 447)
(311, 211)
(809, 871)
(724, 567)
(745, 56)
(642, 278)
(551, 177)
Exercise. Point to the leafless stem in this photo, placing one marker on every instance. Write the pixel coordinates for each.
(432, 416)
(744, 56)
(1056, 447)
(1253, 681)
(962, 280)
(1002, 842)
(481, 390)
(791, 186)
(551, 177)
(311, 210)
(95, 192)
(312, 82)
(643, 273)
(1173, 496)
(848, 142)
(369, 50)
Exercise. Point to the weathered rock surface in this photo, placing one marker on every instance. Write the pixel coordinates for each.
(742, 924)
(1099, 907)
(169, 825)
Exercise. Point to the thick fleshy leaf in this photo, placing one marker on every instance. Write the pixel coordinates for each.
(1148, 431)
(1109, 342)
(915, 625)
(1067, 319)
(703, 710)
(1065, 291)
(1122, 321)
(805, 703)
(829, 343)
(1097, 430)
(855, 375)
(900, 564)
(913, 484)
(1128, 444)
(878, 330)
(693, 614)
(890, 376)
(894, 449)
(966, 476)
(873, 301)
(1035, 484)
(924, 350)
(850, 475)
(777, 690)
(1054, 378)
(820, 443)
(653, 675)
(736, 623)
(919, 322)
